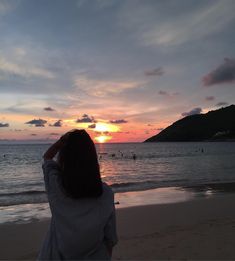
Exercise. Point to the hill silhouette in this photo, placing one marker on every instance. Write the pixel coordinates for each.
(217, 125)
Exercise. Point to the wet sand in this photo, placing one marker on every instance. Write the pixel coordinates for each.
(202, 228)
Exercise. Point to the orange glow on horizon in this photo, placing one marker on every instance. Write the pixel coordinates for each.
(103, 138)
(101, 131)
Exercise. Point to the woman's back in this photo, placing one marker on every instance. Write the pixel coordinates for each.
(82, 228)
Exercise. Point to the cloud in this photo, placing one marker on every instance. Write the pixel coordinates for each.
(48, 109)
(206, 18)
(3, 125)
(103, 133)
(163, 92)
(121, 121)
(14, 68)
(92, 126)
(152, 24)
(7, 6)
(54, 134)
(4, 7)
(210, 98)
(85, 119)
(30, 67)
(219, 104)
(57, 124)
(155, 72)
(102, 88)
(37, 123)
(192, 112)
(33, 134)
(224, 73)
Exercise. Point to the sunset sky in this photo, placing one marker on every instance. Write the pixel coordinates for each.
(122, 69)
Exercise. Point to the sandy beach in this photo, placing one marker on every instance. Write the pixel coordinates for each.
(203, 228)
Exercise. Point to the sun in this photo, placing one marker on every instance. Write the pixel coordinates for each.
(103, 138)
(103, 127)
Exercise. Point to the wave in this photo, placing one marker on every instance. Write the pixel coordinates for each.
(24, 197)
(31, 192)
(197, 185)
(146, 185)
(35, 196)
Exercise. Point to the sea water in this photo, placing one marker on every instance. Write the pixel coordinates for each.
(127, 167)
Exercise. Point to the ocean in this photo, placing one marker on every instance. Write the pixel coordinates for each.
(127, 167)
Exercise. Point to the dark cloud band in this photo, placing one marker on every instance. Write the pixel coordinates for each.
(219, 104)
(85, 119)
(118, 121)
(197, 110)
(3, 125)
(92, 126)
(224, 73)
(57, 124)
(48, 109)
(210, 98)
(155, 72)
(37, 123)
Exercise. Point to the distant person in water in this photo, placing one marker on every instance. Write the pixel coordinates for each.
(83, 222)
(134, 156)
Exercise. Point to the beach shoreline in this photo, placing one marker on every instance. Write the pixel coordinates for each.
(202, 228)
(30, 212)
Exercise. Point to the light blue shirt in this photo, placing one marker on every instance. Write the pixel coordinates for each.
(79, 228)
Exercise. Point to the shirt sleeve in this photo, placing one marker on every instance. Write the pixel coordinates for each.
(110, 231)
(50, 171)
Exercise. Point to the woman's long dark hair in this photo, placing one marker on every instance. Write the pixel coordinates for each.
(80, 173)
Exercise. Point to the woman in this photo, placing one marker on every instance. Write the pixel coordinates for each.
(83, 215)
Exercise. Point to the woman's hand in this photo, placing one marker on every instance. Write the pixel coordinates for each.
(54, 148)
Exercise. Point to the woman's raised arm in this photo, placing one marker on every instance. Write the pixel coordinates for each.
(54, 148)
